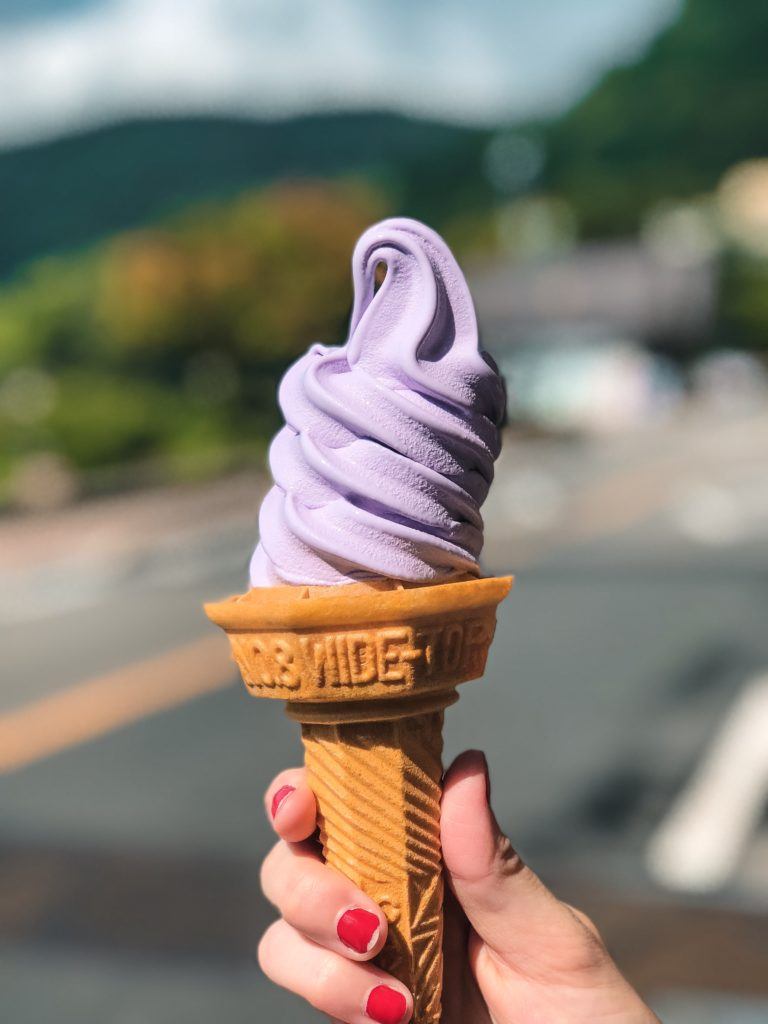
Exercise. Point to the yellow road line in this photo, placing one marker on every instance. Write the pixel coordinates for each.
(108, 702)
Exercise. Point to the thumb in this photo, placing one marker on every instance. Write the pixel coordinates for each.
(507, 905)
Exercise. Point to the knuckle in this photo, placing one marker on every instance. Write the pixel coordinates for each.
(508, 860)
(269, 871)
(594, 941)
(327, 983)
(590, 955)
(303, 897)
(586, 951)
(587, 923)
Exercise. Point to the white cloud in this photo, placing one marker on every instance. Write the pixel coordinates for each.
(466, 61)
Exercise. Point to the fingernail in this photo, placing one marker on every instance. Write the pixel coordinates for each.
(386, 1005)
(358, 930)
(282, 794)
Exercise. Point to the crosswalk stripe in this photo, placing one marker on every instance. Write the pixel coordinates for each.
(699, 844)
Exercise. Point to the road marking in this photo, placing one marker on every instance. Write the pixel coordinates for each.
(108, 702)
(701, 841)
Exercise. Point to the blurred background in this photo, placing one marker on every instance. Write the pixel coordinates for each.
(181, 184)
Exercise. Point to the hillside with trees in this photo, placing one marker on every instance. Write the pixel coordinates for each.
(76, 190)
(669, 125)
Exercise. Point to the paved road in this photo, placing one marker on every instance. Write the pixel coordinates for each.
(636, 626)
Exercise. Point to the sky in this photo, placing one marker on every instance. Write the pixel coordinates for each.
(70, 64)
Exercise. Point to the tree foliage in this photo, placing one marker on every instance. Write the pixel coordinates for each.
(170, 339)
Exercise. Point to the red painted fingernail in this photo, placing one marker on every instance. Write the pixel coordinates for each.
(386, 1005)
(280, 795)
(359, 930)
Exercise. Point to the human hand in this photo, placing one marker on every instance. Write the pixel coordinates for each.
(514, 954)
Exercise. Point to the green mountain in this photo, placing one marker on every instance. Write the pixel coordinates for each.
(670, 124)
(75, 190)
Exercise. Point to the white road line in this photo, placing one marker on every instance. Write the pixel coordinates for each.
(700, 843)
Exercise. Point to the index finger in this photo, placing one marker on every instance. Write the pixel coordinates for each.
(290, 806)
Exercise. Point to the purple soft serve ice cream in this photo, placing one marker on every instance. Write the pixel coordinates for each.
(388, 449)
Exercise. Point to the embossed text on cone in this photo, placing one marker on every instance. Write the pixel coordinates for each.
(368, 668)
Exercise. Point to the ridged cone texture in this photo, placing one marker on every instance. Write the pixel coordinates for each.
(378, 790)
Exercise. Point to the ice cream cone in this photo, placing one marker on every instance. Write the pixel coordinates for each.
(368, 668)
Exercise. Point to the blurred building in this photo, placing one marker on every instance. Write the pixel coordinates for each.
(627, 288)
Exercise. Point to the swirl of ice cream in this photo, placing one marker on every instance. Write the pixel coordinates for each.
(388, 449)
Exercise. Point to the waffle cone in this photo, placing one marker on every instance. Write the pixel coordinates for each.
(367, 669)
